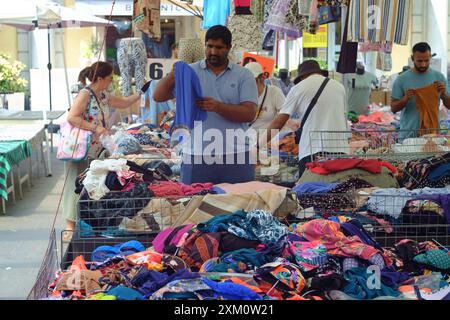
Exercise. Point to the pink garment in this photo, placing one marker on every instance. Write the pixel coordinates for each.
(195, 188)
(328, 233)
(124, 175)
(159, 241)
(169, 188)
(248, 187)
(377, 118)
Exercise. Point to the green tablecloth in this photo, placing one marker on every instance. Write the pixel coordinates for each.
(11, 154)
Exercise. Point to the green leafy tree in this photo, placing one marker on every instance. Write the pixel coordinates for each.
(10, 79)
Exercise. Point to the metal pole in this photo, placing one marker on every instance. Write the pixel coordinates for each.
(49, 67)
(286, 51)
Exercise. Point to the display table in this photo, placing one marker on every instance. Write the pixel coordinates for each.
(16, 145)
(11, 154)
(29, 115)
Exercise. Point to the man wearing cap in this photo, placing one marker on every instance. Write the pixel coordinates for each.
(271, 98)
(327, 114)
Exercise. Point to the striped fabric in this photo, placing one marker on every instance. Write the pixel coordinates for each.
(4, 169)
(201, 209)
(391, 25)
(11, 154)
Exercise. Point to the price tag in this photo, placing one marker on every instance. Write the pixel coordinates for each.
(159, 68)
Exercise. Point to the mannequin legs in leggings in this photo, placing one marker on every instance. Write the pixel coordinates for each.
(132, 59)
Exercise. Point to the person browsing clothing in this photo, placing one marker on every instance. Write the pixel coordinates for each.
(414, 83)
(90, 111)
(219, 151)
(271, 98)
(327, 114)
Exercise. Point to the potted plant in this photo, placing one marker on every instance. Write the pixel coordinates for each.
(12, 85)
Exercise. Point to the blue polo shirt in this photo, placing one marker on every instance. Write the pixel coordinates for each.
(410, 117)
(234, 85)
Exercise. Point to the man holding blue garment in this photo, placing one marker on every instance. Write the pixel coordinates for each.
(219, 147)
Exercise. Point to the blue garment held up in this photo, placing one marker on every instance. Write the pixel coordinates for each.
(188, 91)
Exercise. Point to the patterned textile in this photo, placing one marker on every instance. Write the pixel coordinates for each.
(307, 255)
(146, 17)
(336, 199)
(190, 50)
(329, 234)
(181, 289)
(200, 209)
(416, 173)
(132, 60)
(238, 261)
(280, 279)
(277, 19)
(255, 225)
(268, 37)
(199, 248)
(293, 17)
(392, 201)
(4, 170)
(11, 154)
(244, 28)
(437, 259)
(394, 21)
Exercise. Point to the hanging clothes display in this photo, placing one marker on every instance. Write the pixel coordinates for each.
(392, 26)
(132, 60)
(190, 50)
(349, 50)
(304, 7)
(268, 37)
(242, 7)
(294, 18)
(146, 17)
(215, 13)
(277, 19)
(244, 28)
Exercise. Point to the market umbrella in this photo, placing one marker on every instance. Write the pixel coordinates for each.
(43, 14)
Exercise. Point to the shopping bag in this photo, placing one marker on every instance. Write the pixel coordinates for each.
(73, 143)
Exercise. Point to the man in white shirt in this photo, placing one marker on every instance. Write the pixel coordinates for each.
(327, 117)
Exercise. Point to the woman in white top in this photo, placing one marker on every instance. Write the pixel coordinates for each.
(271, 98)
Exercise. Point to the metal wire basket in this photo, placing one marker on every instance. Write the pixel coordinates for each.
(50, 265)
(388, 218)
(390, 145)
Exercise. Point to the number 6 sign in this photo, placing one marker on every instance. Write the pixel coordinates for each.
(159, 68)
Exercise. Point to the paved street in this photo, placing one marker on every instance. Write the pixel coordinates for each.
(25, 230)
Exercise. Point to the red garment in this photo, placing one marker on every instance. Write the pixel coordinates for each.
(169, 188)
(339, 165)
